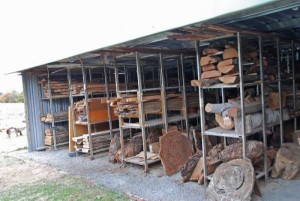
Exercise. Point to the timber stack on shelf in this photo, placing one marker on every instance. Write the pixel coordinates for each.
(245, 68)
(54, 118)
(91, 119)
(149, 107)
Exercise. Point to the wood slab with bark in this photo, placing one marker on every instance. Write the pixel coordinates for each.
(208, 67)
(175, 149)
(228, 69)
(208, 60)
(210, 74)
(230, 53)
(188, 168)
(233, 180)
(227, 62)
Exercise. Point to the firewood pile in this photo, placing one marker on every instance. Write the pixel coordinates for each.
(61, 136)
(127, 106)
(60, 88)
(222, 66)
(58, 116)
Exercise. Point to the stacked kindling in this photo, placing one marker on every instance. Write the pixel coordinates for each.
(60, 88)
(61, 136)
(222, 67)
(127, 106)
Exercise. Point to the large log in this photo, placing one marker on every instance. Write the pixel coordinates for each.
(233, 180)
(235, 111)
(230, 53)
(254, 151)
(227, 69)
(114, 146)
(175, 149)
(210, 74)
(134, 147)
(219, 108)
(188, 168)
(287, 162)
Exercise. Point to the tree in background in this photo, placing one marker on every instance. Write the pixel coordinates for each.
(12, 97)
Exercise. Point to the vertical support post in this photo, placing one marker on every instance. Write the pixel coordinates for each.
(71, 101)
(194, 73)
(294, 84)
(86, 98)
(120, 118)
(279, 91)
(141, 109)
(90, 74)
(223, 101)
(108, 98)
(126, 88)
(262, 92)
(202, 114)
(183, 90)
(51, 109)
(179, 65)
(241, 74)
(163, 93)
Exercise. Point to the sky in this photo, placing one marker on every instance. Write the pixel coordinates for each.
(35, 32)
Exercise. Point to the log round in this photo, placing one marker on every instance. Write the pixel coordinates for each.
(287, 162)
(233, 180)
(175, 150)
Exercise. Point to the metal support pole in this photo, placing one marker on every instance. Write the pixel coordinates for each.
(163, 93)
(223, 101)
(126, 88)
(183, 89)
(71, 102)
(194, 73)
(178, 72)
(51, 109)
(202, 114)
(108, 104)
(86, 98)
(241, 74)
(90, 74)
(294, 85)
(120, 118)
(279, 91)
(262, 91)
(141, 109)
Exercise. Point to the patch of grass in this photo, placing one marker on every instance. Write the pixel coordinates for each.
(64, 188)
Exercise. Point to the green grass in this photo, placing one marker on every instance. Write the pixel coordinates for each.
(63, 188)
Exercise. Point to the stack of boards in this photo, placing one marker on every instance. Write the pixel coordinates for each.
(61, 136)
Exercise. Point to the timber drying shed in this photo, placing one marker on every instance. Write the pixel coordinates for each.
(195, 98)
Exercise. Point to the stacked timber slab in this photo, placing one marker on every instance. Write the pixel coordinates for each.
(58, 116)
(61, 136)
(100, 142)
(127, 105)
(61, 88)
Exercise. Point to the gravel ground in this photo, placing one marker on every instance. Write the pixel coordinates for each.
(151, 186)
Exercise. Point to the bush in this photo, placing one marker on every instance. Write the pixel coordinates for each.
(12, 97)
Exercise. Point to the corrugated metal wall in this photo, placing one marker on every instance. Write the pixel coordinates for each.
(35, 107)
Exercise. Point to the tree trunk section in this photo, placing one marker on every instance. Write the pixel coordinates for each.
(226, 123)
(175, 149)
(233, 180)
(208, 67)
